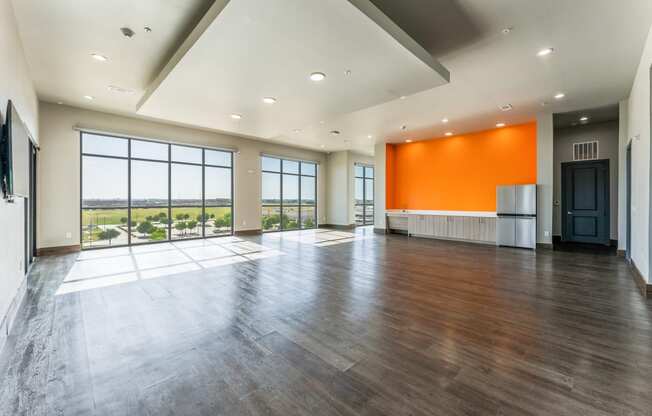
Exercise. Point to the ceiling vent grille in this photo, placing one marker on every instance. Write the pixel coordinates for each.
(585, 151)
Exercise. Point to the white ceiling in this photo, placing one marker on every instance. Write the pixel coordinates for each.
(254, 49)
(597, 44)
(59, 37)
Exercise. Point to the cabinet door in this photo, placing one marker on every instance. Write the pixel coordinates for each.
(456, 227)
(440, 226)
(487, 230)
(471, 228)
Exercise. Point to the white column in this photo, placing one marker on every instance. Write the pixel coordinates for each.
(545, 135)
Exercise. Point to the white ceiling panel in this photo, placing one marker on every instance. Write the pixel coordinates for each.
(255, 49)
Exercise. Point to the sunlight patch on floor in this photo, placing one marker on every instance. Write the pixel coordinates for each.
(319, 237)
(115, 266)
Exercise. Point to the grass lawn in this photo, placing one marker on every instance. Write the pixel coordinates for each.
(138, 215)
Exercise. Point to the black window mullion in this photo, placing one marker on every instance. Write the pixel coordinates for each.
(128, 192)
(280, 227)
(299, 212)
(203, 193)
(169, 192)
(232, 197)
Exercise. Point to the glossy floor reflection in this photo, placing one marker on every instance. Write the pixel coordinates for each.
(113, 266)
(280, 324)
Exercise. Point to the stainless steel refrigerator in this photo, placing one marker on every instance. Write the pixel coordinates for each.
(517, 216)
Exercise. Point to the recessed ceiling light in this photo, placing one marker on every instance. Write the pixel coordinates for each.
(507, 30)
(347, 72)
(370, 137)
(317, 76)
(60, 102)
(449, 133)
(506, 107)
(559, 96)
(402, 97)
(585, 118)
(297, 130)
(322, 146)
(99, 57)
(89, 97)
(545, 52)
(499, 125)
(408, 141)
(403, 127)
(444, 120)
(322, 122)
(335, 132)
(269, 100)
(236, 116)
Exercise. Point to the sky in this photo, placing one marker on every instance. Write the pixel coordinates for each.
(106, 178)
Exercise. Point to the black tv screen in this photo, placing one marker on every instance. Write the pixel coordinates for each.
(6, 162)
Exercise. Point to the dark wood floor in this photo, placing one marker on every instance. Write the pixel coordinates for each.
(383, 325)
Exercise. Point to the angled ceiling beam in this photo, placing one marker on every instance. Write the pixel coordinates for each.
(208, 18)
(385, 23)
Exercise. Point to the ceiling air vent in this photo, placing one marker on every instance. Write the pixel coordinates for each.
(585, 151)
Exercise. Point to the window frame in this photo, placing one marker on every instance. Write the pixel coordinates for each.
(299, 205)
(364, 203)
(169, 205)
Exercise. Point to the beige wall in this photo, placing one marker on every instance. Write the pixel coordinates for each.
(353, 159)
(545, 168)
(638, 125)
(607, 136)
(338, 188)
(341, 186)
(379, 185)
(15, 85)
(59, 176)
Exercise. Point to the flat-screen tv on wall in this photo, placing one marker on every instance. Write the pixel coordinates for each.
(14, 155)
(6, 163)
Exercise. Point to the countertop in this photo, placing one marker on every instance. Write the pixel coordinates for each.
(406, 212)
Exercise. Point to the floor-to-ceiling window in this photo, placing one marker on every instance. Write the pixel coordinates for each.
(364, 194)
(138, 191)
(289, 194)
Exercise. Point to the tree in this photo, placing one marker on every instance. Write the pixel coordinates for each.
(162, 216)
(108, 234)
(145, 227)
(158, 234)
(181, 226)
(150, 218)
(192, 225)
(179, 217)
(124, 220)
(308, 223)
(186, 216)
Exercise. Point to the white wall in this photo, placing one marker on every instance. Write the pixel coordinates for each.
(58, 205)
(622, 174)
(353, 159)
(338, 189)
(341, 186)
(380, 154)
(545, 140)
(638, 124)
(15, 84)
(607, 136)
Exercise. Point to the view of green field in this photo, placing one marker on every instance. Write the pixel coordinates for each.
(108, 227)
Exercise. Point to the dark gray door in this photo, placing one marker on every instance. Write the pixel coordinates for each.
(585, 201)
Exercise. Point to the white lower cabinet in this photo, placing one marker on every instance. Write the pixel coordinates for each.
(480, 229)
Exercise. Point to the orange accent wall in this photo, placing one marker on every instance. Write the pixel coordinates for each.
(460, 173)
